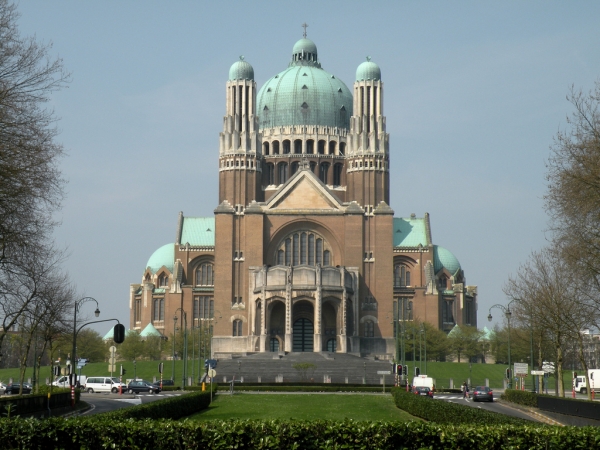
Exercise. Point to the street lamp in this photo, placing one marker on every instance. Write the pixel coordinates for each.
(508, 314)
(173, 358)
(134, 370)
(78, 304)
(184, 314)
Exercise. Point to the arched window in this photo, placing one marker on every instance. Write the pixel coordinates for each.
(298, 146)
(286, 147)
(275, 147)
(401, 276)
(270, 174)
(163, 280)
(369, 328)
(323, 172)
(332, 145)
(331, 345)
(321, 147)
(294, 167)
(337, 174)
(342, 148)
(303, 247)
(205, 275)
(237, 327)
(282, 172)
(159, 309)
(266, 148)
(274, 344)
(443, 282)
(310, 146)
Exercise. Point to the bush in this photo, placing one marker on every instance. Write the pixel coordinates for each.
(449, 413)
(303, 388)
(525, 398)
(171, 408)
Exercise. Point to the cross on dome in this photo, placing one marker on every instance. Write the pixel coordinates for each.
(305, 26)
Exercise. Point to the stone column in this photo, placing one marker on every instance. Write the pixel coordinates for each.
(263, 316)
(287, 346)
(342, 336)
(317, 342)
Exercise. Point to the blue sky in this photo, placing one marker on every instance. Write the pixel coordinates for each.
(474, 93)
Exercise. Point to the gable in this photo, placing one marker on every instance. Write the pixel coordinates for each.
(304, 192)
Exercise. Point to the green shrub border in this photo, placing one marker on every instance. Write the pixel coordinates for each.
(104, 432)
(449, 413)
(321, 388)
(524, 398)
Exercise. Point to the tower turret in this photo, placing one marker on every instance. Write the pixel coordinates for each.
(240, 159)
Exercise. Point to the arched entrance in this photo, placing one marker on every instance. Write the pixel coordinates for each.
(331, 345)
(303, 335)
(274, 345)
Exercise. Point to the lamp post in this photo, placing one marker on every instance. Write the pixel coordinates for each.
(173, 358)
(184, 314)
(134, 370)
(508, 314)
(78, 304)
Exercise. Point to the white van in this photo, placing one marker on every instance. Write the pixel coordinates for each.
(63, 381)
(104, 384)
(580, 384)
(423, 380)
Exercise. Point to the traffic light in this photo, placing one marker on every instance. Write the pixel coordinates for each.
(417, 371)
(123, 371)
(119, 333)
(56, 371)
(399, 369)
(405, 370)
(508, 373)
(574, 375)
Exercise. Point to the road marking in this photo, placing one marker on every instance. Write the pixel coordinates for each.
(134, 401)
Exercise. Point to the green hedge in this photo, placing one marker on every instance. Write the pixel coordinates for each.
(520, 397)
(34, 403)
(103, 433)
(449, 413)
(303, 388)
(170, 408)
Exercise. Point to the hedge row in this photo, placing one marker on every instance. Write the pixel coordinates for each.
(301, 388)
(103, 433)
(525, 398)
(449, 413)
(170, 408)
(34, 403)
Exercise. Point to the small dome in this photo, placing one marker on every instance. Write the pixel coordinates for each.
(305, 45)
(368, 71)
(241, 70)
(162, 257)
(444, 259)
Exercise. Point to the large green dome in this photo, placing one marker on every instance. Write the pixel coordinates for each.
(304, 94)
(162, 257)
(443, 258)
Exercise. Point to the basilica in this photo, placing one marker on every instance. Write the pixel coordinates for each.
(303, 253)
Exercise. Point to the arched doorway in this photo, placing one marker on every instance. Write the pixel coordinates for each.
(303, 336)
(331, 345)
(274, 344)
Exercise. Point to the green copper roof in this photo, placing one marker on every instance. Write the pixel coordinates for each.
(108, 336)
(487, 335)
(410, 232)
(162, 257)
(198, 231)
(443, 258)
(304, 94)
(368, 71)
(150, 331)
(241, 70)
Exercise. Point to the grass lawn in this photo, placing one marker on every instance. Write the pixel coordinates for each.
(303, 407)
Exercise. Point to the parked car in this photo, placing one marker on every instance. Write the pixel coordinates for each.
(2, 388)
(164, 383)
(137, 386)
(104, 384)
(14, 388)
(423, 390)
(483, 393)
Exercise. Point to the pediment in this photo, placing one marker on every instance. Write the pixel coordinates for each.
(304, 191)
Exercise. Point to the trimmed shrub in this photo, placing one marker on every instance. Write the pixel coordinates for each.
(171, 408)
(449, 413)
(304, 388)
(525, 398)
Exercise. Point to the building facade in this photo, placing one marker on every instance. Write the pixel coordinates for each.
(303, 253)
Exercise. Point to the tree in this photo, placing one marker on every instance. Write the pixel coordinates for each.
(31, 187)
(132, 347)
(464, 340)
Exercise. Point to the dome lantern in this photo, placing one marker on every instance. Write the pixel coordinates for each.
(241, 70)
(368, 71)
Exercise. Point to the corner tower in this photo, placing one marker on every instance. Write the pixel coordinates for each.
(368, 153)
(240, 160)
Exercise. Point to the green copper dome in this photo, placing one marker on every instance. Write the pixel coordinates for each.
(443, 258)
(304, 94)
(241, 70)
(368, 71)
(162, 257)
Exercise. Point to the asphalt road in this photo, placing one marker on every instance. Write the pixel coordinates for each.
(102, 403)
(489, 406)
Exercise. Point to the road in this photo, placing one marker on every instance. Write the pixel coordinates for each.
(102, 403)
(488, 406)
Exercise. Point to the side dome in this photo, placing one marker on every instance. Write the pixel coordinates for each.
(164, 256)
(368, 71)
(444, 259)
(241, 70)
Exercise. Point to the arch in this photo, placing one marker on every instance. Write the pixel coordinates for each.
(279, 236)
(286, 146)
(303, 247)
(270, 174)
(298, 146)
(332, 147)
(275, 145)
(324, 172)
(238, 317)
(266, 148)
(282, 173)
(310, 146)
(204, 273)
(237, 328)
(303, 335)
(163, 280)
(274, 344)
(337, 174)
(294, 167)
(363, 319)
(401, 275)
(321, 147)
(331, 345)
(342, 150)
(368, 328)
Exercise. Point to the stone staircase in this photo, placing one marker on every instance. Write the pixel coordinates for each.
(271, 368)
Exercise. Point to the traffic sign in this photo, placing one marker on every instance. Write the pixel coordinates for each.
(384, 372)
(111, 368)
(113, 349)
(112, 360)
(212, 373)
(537, 372)
(521, 368)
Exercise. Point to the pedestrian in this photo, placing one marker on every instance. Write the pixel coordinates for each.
(464, 389)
